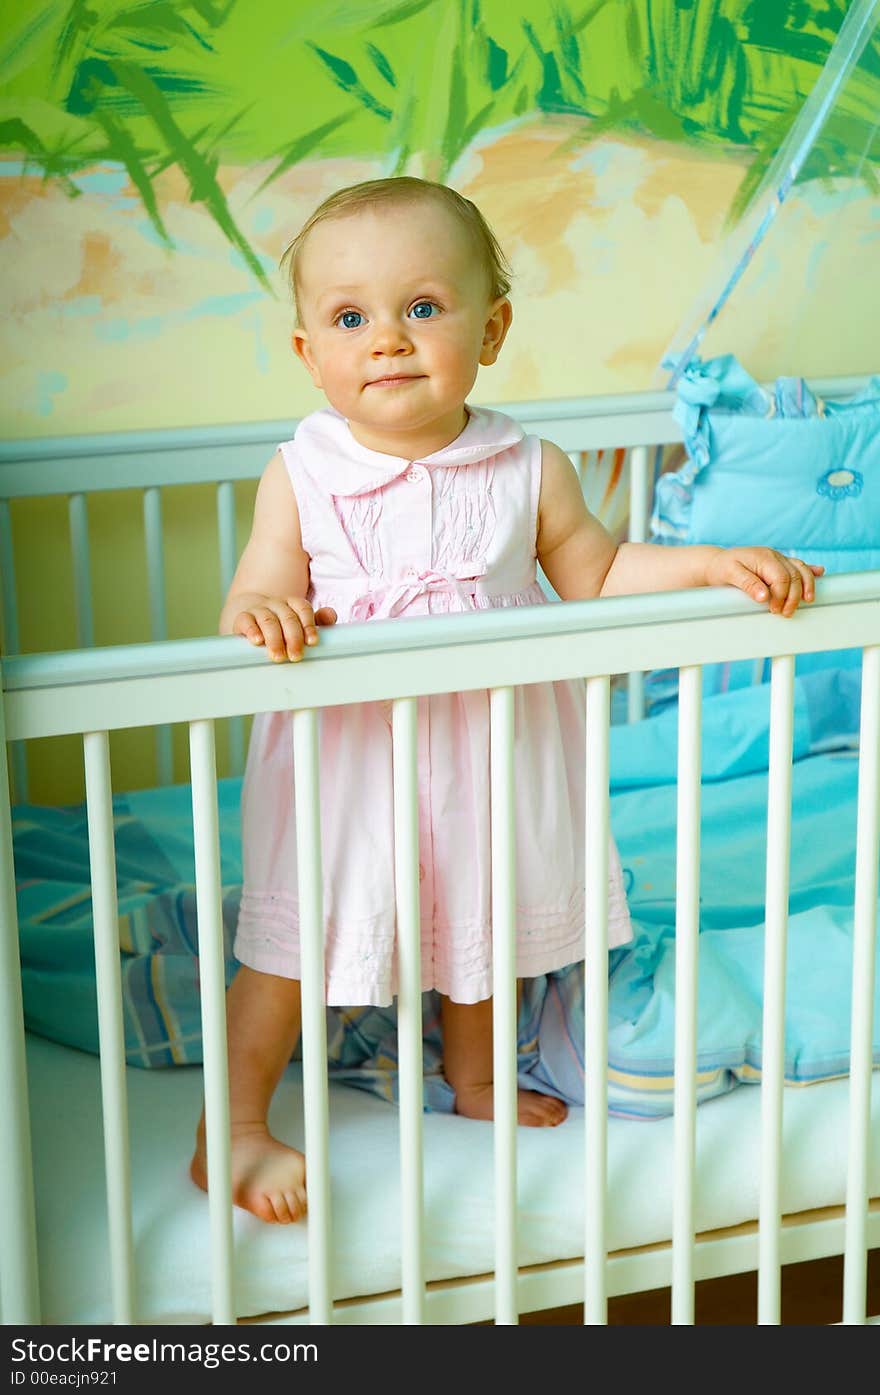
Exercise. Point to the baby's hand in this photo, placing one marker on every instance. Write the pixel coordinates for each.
(283, 626)
(765, 575)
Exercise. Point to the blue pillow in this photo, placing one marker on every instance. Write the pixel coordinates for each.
(778, 467)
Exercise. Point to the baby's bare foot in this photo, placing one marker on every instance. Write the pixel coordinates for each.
(268, 1178)
(537, 1111)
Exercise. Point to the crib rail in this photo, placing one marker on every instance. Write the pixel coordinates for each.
(135, 459)
(186, 680)
(92, 692)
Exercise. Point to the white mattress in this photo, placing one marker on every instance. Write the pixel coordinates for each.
(171, 1214)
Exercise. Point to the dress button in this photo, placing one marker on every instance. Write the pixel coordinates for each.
(413, 475)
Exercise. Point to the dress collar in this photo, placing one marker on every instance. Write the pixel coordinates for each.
(347, 468)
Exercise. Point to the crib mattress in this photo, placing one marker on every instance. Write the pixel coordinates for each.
(170, 1215)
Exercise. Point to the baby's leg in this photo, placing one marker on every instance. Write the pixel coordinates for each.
(467, 1065)
(263, 1017)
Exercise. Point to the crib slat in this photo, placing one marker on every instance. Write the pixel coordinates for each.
(773, 1025)
(314, 1023)
(687, 931)
(155, 562)
(19, 1275)
(639, 510)
(228, 560)
(409, 1005)
(111, 1032)
(11, 640)
(639, 494)
(504, 1057)
(864, 940)
(153, 538)
(596, 1000)
(82, 570)
(212, 978)
(635, 697)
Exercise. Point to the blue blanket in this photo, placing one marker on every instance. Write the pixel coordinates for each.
(158, 927)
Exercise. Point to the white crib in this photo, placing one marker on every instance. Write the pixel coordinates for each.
(92, 692)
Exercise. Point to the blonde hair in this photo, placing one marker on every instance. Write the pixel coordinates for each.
(403, 189)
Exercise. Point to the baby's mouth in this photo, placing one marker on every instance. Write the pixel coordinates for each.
(394, 380)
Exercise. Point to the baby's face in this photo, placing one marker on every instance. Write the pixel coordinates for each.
(396, 318)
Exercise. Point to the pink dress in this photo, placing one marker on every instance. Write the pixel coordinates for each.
(454, 532)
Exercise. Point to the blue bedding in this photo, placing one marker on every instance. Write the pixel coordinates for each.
(158, 929)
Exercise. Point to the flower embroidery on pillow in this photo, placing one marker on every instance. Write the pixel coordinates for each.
(840, 484)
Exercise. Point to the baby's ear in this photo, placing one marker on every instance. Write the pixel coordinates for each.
(299, 342)
(495, 332)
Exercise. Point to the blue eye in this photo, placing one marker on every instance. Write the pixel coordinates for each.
(423, 310)
(351, 319)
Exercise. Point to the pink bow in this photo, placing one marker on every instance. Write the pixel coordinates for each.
(393, 600)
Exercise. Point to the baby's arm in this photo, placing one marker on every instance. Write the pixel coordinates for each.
(266, 600)
(580, 558)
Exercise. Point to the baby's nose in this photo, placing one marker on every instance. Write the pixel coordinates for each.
(390, 337)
